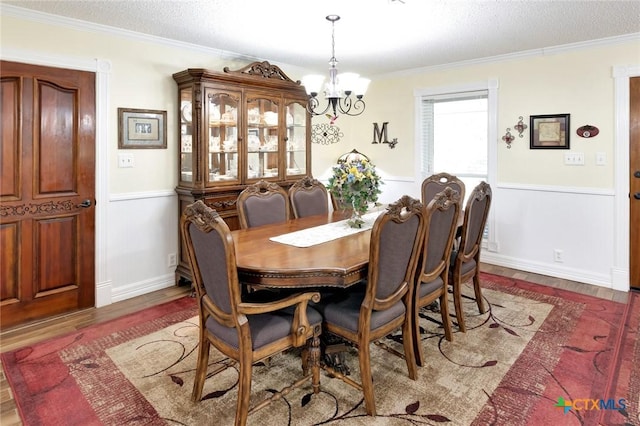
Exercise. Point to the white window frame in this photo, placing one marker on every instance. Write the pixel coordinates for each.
(491, 87)
(428, 143)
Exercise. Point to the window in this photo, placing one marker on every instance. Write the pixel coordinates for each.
(454, 136)
(457, 133)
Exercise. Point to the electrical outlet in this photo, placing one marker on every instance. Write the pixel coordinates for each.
(172, 260)
(558, 256)
(125, 160)
(574, 158)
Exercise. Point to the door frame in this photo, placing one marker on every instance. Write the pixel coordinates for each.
(621, 268)
(102, 69)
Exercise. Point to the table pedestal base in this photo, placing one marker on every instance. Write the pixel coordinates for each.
(333, 350)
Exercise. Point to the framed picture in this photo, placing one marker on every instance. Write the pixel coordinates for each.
(142, 128)
(549, 131)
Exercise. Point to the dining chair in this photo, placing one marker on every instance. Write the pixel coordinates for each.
(466, 260)
(246, 332)
(339, 204)
(432, 277)
(437, 182)
(308, 197)
(263, 203)
(383, 305)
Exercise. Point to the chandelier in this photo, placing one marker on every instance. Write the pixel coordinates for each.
(338, 89)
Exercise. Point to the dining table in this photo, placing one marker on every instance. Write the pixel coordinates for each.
(311, 252)
(314, 252)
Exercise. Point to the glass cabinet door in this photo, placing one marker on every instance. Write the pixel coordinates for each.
(296, 139)
(221, 114)
(186, 135)
(263, 138)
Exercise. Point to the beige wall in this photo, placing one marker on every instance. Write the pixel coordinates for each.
(141, 77)
(536, 197)
(578, 82)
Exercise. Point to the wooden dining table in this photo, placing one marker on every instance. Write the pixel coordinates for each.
(262, 262)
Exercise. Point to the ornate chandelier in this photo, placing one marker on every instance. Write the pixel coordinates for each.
(338, 89)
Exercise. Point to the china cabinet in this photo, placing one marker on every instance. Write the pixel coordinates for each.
(235, 128)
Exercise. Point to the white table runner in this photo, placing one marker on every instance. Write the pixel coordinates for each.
(323, 233)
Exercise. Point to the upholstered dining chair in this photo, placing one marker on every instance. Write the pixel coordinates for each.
(432, 278)
(437, 182)
(308, 197)
(246, 332)
(263, 203)
(466, 260)
(339, 204)
(383, 304)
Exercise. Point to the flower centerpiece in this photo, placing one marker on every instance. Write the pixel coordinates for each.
(355, 183)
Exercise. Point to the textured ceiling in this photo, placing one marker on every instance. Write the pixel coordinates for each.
(373, 37)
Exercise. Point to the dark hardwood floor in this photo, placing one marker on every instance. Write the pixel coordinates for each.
(17, 337)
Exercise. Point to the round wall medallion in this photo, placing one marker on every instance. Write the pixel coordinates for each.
(587, 131)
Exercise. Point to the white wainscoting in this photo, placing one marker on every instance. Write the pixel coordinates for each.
(142, 232)
(527, 223)
(531, 222)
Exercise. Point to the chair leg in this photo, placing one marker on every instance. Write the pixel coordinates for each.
(416, 337)
(408, 344)
(457, 301)
(478, 291)
(201, 368)
(364, 357)
(244, 389)
(444, 310)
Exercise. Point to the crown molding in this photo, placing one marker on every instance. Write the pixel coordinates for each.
(77, 24)
(545, 51)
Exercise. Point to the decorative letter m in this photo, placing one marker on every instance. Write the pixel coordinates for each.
(380, 135)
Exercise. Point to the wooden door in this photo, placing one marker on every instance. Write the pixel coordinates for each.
(634, 183)
(47, 193)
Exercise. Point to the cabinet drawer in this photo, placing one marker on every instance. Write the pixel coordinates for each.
(222, 203)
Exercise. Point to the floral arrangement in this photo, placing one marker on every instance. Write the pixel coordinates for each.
(355, 183)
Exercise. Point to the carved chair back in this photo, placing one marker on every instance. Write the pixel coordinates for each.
(263, 203)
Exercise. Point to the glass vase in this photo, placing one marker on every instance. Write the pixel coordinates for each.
(355, 221)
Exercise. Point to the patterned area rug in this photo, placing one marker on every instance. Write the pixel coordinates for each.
(538, 356)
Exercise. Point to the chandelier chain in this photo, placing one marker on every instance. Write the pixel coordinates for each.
(338, 98)
(333, 39)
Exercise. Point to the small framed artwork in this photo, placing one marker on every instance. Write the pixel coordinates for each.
(549, 131)
(142, 128)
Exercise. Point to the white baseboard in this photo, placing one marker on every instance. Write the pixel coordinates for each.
(142, 287)
(552, 270)
(103, 294)
(620, 279)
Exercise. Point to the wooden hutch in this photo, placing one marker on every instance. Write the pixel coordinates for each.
(237, 127)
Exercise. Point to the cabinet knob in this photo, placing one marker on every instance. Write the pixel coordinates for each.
(637, 174)
(636, 195)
